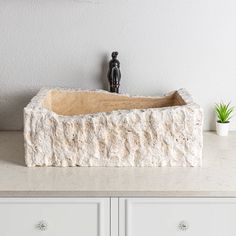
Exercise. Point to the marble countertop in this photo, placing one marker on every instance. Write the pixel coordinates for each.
(217, 177)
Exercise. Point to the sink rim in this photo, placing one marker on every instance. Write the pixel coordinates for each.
(36, 103)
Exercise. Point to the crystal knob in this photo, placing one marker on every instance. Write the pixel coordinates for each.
(42, 226)
(183, 225)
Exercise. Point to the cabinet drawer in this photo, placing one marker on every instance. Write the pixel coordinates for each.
(167, 217)
(59, 217)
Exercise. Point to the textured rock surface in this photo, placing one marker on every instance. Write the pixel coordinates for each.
(170, 136)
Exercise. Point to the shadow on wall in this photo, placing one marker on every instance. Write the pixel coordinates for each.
(11, 109)
(13, 152)
(103, 73)
(212, 120)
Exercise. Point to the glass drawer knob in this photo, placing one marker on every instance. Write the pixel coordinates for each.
(183, 226)
(42, 226)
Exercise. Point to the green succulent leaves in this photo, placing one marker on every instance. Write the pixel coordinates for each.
(224, 112)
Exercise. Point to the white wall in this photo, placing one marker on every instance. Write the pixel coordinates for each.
(163, 45)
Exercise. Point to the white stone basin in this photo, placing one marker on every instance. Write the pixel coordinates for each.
(73, 127)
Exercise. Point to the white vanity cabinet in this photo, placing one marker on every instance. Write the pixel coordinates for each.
(118, 216)
(59, 217)
(177, 216)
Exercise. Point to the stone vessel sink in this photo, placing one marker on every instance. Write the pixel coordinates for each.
(73, 127)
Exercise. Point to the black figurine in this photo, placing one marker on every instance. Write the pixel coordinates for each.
(114, 74)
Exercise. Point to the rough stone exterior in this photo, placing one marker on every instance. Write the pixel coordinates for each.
(170, 136)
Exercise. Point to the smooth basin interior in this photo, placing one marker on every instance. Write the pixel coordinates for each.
(69, 103)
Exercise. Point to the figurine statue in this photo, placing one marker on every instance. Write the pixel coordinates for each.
(114, 74)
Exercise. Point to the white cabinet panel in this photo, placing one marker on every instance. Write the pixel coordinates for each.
(176, 217)
(60, 217)
(114, 216)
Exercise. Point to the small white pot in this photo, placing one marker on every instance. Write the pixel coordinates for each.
(222, 129)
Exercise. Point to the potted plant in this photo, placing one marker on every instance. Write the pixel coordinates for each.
(224, 113)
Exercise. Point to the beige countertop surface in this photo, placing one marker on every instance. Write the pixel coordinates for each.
(217, 177)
